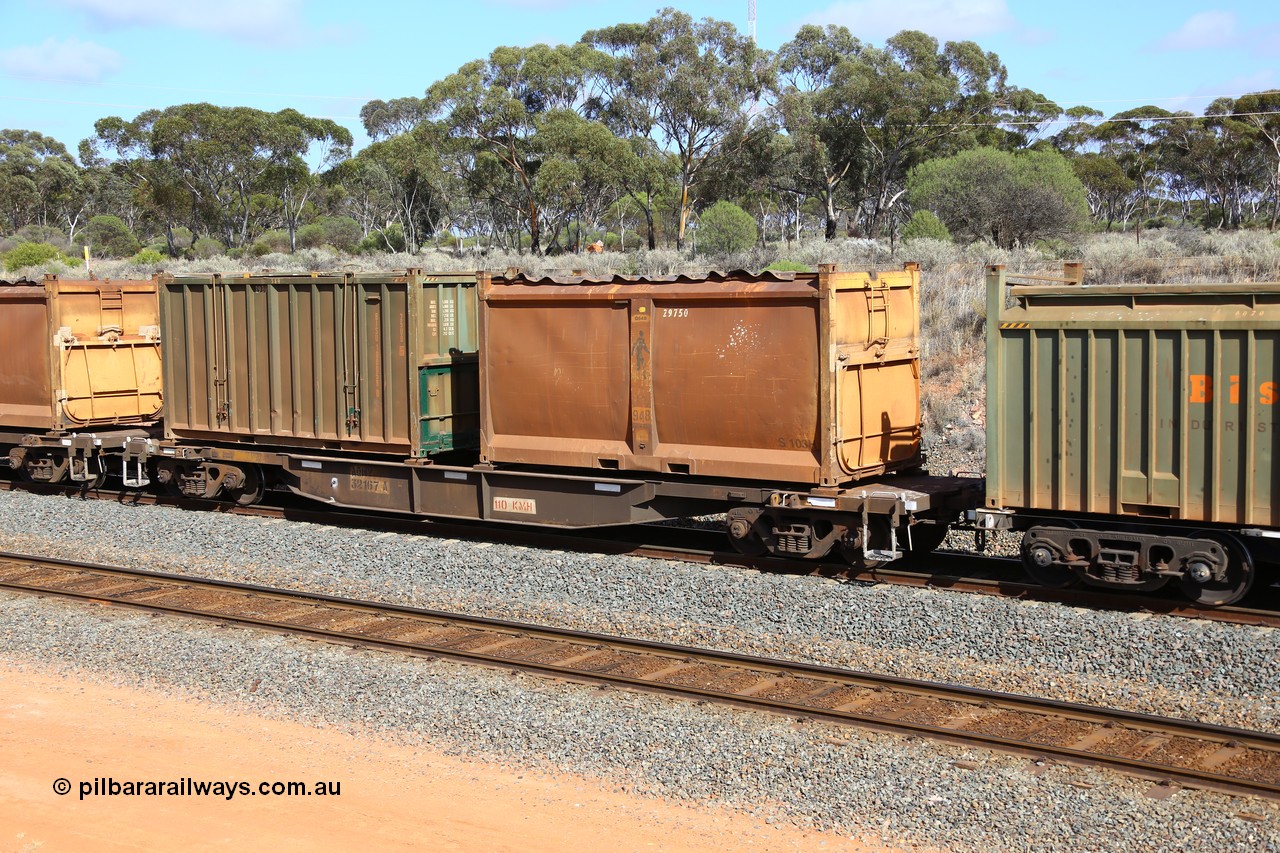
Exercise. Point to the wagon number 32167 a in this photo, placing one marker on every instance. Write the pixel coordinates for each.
(675, 312)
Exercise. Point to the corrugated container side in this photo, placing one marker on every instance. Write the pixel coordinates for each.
(79, 353)
(1146, 400)
(367, 362)
(806, 378)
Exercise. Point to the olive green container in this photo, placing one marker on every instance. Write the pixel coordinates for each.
(1159, 401)
(380, 362)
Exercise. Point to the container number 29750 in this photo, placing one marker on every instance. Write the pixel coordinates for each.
(675, 312)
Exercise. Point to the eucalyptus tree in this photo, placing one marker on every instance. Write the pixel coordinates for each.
(911, 101)
(689, 85)
(501, 106)
(409, 171)
(385, 119)
(1261, 111)
(1214, 157)
(126, 149)
(817, 118)
(290, 174)
(40, 182)
(221, 156)
(575, 179)
(1136, 140)
(644, 174)
(1112, 194)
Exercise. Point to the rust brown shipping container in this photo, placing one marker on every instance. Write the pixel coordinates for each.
(78, 354)
(809, 378)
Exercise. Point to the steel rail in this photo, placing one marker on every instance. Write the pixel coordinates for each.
(941, 570)
(1186, 752)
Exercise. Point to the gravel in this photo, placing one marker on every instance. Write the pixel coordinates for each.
(806, 773)
(909, 790)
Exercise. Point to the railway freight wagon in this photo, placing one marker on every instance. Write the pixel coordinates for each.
(804, 380)
(81, 375)
(790, 401)
(1132, 431)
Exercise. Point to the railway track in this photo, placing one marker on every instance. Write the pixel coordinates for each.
(1172, 752)
(942, 570)
(956, 571)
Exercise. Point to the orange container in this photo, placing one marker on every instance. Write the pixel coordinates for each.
(79, 353)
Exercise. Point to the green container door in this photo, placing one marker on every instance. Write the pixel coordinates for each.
(448, 368)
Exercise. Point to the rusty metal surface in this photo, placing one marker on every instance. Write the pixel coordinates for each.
(377, 362)
(802, 377)
(79, 353)
(711, 276)
(1135, 400)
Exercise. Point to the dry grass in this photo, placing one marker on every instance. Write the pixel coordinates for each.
(952, 300)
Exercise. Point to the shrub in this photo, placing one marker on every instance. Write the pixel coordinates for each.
(30, 255)
(207, 247)
(930, 253)
(1010, 198)
(389, 239)
(311, 236)
(36, 233)
(108, 236)
(148, 257)
(789, 266)
(1059, 249)
(925, 223)
(726, 228)
(269, 242)
(340, 232)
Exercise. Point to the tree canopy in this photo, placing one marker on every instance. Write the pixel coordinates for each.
(1009, 198)
(644, 128)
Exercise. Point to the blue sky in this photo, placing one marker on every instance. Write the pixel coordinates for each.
(66, 63)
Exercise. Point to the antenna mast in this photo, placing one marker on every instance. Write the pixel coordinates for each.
(751, 20)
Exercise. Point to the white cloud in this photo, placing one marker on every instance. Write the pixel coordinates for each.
(255, 20)
(72, 60)
(1202, 30)
(875, 20)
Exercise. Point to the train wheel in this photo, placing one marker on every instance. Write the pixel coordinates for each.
(746, 539)
(1037, 559)
(1234, 586)
(251, 491)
